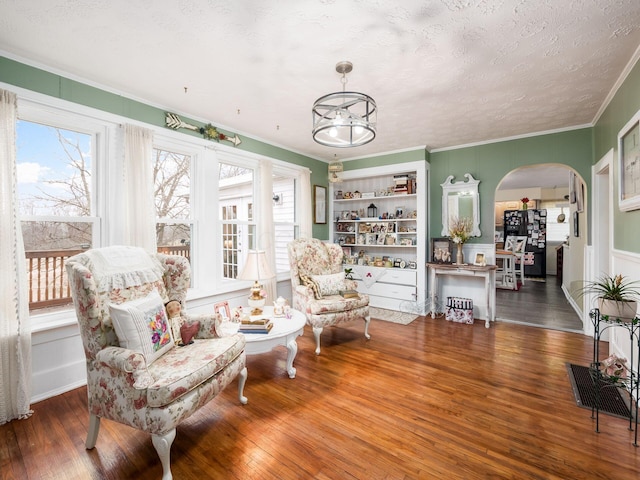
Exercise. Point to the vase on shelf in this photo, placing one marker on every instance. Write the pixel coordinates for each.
(459, 255)
(524, 206)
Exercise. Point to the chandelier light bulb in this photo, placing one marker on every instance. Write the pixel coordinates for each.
(333, 132)
(358, 130)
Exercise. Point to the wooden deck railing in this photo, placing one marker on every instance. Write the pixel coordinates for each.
(47, 276)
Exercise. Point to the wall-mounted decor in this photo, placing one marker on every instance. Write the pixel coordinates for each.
(576, 224)
(459, 200)
(209, 132)
(629, 165)
(319, 204)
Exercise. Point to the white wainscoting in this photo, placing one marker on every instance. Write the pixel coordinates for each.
(628, 265)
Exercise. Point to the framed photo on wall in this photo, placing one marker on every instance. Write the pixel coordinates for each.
(441, 250)
(319, 204)
(629, 165)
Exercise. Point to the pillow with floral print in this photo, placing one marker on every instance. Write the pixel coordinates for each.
(142, 325)
(329, 284)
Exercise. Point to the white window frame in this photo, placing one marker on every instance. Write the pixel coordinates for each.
(34, 110)
(107, 166)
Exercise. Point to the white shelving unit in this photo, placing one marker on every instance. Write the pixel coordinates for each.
(390, 249)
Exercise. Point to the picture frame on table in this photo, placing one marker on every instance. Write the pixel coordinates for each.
(319, 204)
(441, 250)
(480, 259)
(629, 165)
(223, 309)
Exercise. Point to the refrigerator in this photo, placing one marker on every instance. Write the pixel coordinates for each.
(532, 224)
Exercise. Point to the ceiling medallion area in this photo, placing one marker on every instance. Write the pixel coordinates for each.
(344, 119)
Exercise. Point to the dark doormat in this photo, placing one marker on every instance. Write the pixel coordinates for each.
(611, 402)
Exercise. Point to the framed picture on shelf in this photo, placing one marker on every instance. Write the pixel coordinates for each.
(346, 251)
(441, 250)
(319, 204)
(629, 165)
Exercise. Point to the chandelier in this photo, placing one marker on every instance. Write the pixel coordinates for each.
(344, 119)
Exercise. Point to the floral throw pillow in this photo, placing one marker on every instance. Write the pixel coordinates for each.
(329, 284)
(143, 326)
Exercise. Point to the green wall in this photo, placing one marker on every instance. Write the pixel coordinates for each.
(34, 79)
(490, 163)
(623, 106)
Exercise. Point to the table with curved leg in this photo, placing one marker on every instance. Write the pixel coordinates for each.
(284, 333)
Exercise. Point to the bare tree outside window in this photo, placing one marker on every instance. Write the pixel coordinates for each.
(54, 168)
(172, 184)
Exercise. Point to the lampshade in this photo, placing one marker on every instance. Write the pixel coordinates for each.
(344, 119)
(256, 267)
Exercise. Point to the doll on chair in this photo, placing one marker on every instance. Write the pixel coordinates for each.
(183, 333)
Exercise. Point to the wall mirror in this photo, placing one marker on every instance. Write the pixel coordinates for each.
(461, 199)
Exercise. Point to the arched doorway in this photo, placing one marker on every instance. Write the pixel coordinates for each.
(556, 231)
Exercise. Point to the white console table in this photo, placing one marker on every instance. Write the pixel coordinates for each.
(486, 273)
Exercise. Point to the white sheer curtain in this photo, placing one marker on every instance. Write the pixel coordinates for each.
(138, 210)
(304, 212)
(267, 234)
(15, 331)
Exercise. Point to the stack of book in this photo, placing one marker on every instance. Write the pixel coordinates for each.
(400, 184)
(404, 183)
(261, 325)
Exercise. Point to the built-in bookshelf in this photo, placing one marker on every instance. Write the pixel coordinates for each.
(378, 215)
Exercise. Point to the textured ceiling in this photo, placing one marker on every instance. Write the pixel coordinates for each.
(443, 72)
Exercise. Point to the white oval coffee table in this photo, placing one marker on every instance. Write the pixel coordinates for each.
(284, 332)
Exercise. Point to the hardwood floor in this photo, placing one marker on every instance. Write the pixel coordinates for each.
(432, 399)
(540, 304)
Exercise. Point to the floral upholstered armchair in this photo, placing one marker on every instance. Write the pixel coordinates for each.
(317, 278)
(119, 295)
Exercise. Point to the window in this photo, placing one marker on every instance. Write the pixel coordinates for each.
(172, 186)
(207, 209)
(236, 216)
(557, 231)
(284, 216)
(56, 196)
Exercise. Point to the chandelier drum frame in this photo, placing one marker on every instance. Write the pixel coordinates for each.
(344, 119)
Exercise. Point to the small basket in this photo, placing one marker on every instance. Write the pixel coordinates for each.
(459, 310)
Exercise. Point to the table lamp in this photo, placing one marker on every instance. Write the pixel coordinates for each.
(256, 268)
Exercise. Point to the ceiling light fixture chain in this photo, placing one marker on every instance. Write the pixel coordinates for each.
(344, 119)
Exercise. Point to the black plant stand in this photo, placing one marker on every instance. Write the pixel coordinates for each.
(630, 384)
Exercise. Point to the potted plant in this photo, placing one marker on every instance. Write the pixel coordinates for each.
(617, 296)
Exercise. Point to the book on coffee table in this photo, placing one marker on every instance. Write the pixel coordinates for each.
(261, 325)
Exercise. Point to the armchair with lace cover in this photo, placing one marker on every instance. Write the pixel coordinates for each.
(152, 394)
(317, 278)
